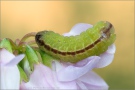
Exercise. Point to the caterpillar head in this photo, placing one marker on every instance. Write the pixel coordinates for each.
(105, 28)
(38, 37)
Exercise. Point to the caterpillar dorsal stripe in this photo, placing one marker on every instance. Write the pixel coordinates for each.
(93, 41)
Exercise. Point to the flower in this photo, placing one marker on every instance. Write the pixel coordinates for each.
(10, 75)
(65, 75)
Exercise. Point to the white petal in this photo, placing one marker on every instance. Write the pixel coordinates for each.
(105, 60)
(111, 49)
(72, 72)
(41, 78)
(81, 85)
(5, 56)
(67, 34)
(44, 78)
(84, 62)
(93, 82)
(10, 77)
(78, 28)
(56, 65)
(107, 57)
(64, 85)
(15, 60)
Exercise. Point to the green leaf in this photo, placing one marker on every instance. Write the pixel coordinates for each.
(24, 64)
(23, 76)
(47, 59)
(5, 43)
(31, 56)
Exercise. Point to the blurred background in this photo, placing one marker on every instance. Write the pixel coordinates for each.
(21, 17)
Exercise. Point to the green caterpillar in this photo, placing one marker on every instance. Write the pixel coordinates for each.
(93, 41)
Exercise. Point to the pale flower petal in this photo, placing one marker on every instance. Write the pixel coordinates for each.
(78, 28)
(44, 78)
(111, 49)
(93, 82)
(81, 85)
(5, 56)
(38, 79)
(63, 85)
(15, 60)
(10, 75)
(107, 57)
(56, 65)
(72, 72)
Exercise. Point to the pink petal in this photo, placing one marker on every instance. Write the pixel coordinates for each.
(15, 60)
(111, 49)
(107, 57)
(64, 85)
(81, 85)
(40, 78)
(10, 78)
(78, 28)
(93, 82)
(84, 62)
(5, 56)
(56, 65)
(44, 78)
(72, 72)
(67, 34)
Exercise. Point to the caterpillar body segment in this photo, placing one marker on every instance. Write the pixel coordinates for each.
(92, 42)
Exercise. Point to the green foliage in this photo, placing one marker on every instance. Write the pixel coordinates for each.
(23, 75)
(5, 43)
(47, 60)
(31, 56)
